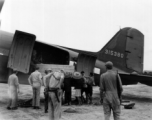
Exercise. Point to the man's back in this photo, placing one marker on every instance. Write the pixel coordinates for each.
(108, 84)
(109, 81)
(35, 76)
(56, 80)
(35, 79)
(13, 80)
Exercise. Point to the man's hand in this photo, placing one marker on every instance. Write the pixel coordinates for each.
(18, 91)
(101, 100)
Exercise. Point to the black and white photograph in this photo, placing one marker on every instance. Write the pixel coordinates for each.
(75, 60)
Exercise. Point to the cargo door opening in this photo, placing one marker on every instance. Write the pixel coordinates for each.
(46, 54)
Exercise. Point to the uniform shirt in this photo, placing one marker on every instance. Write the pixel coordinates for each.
(55, 79)
(108, 85)
(13, 80)
(35, 79)
(46, 79)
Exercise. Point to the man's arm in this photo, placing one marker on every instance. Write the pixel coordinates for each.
(101, 84)
(93, 80)
(62, 79)
(120, 83)
(29, 80)
(119, 87)
(48, 75)
(101, 88)
(17, 84)
(40, 78)
(8, 81)
(44, 81)
(46, 78)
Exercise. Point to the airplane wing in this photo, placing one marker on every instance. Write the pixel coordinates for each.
(128, 79)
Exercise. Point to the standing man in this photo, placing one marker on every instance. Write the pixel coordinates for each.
(110, 83)
(55, 94)
(90, 87)
(46, 83)
(84, 88)
(67, 88)
(13, 90)
(36, 83)
(78, 84)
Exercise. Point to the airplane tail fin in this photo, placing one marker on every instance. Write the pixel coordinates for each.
(125, 50)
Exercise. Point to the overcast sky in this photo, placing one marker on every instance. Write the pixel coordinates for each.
(80, 24)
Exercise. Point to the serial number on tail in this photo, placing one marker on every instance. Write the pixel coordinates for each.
(114, 53)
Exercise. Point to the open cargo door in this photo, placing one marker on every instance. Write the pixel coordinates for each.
(86, 63)
(21, 51)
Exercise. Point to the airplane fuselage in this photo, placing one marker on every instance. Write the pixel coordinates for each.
(125, 50)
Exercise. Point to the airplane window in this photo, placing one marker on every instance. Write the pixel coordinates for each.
(97, 70)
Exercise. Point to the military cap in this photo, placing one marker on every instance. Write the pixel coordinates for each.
(109, 64)
(49, 69)
(37, 68)
(15, 70)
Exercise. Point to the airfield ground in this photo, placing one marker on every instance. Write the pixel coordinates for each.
(140, 94)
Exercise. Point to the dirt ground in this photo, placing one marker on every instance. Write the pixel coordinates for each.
(140, 94)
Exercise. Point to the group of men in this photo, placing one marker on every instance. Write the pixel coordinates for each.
(110, 91)
(84, 85)
(52, 82)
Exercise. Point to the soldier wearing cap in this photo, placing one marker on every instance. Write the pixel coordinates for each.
(35, 80)
(13, 90)
(56, 80)
(109, 84)
(46, 82)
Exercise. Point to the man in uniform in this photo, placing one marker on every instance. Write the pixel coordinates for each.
(55, 94)
(35, 80)
(13, 90)
(46, 83)
(110, 86)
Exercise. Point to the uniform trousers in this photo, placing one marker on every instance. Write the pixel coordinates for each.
(36, 97)
(46, 100)
(13, 97)
(54, 105)
(111, 103)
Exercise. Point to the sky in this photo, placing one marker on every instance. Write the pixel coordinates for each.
(81, 24)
